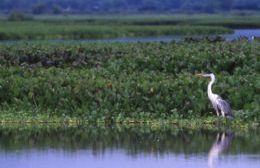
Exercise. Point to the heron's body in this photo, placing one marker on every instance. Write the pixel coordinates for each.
(221, 106)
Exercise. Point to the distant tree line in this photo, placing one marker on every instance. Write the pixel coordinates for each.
(134, 6)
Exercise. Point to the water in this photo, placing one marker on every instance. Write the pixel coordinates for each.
(132, 146)
(248, 33)
(238, 33)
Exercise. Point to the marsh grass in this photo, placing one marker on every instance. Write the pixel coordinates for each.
(81, 30)
(89, 27)
(11, 120)
(233, 21)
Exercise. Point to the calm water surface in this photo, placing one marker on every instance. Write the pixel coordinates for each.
(135, 146)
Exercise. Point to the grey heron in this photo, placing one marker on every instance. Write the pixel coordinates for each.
(221, 106)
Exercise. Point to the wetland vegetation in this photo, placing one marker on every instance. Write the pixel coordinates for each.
(89, 27)
(86, 30)
(18, 27)
(34, 30)
(117, 82)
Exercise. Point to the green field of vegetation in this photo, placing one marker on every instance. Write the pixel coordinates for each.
(136, 81)
(231, 21)
(20, 27)
(65, 30)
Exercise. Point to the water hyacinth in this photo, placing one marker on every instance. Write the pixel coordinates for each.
(122, 81)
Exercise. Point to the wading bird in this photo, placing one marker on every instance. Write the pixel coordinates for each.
(221, 106)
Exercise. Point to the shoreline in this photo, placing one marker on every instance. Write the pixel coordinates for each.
(208, 123)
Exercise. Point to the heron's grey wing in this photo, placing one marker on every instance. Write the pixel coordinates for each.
(224, 106)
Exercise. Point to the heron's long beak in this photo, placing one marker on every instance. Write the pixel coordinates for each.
(199, 74)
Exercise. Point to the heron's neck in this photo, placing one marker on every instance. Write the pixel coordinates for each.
(210, 94)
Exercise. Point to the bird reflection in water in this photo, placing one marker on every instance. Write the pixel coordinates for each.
(221, 143)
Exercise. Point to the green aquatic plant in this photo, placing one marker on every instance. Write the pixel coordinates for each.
(127, 82)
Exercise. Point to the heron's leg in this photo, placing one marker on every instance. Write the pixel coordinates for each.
(217, 112)
(216, 109)
(223, 114)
